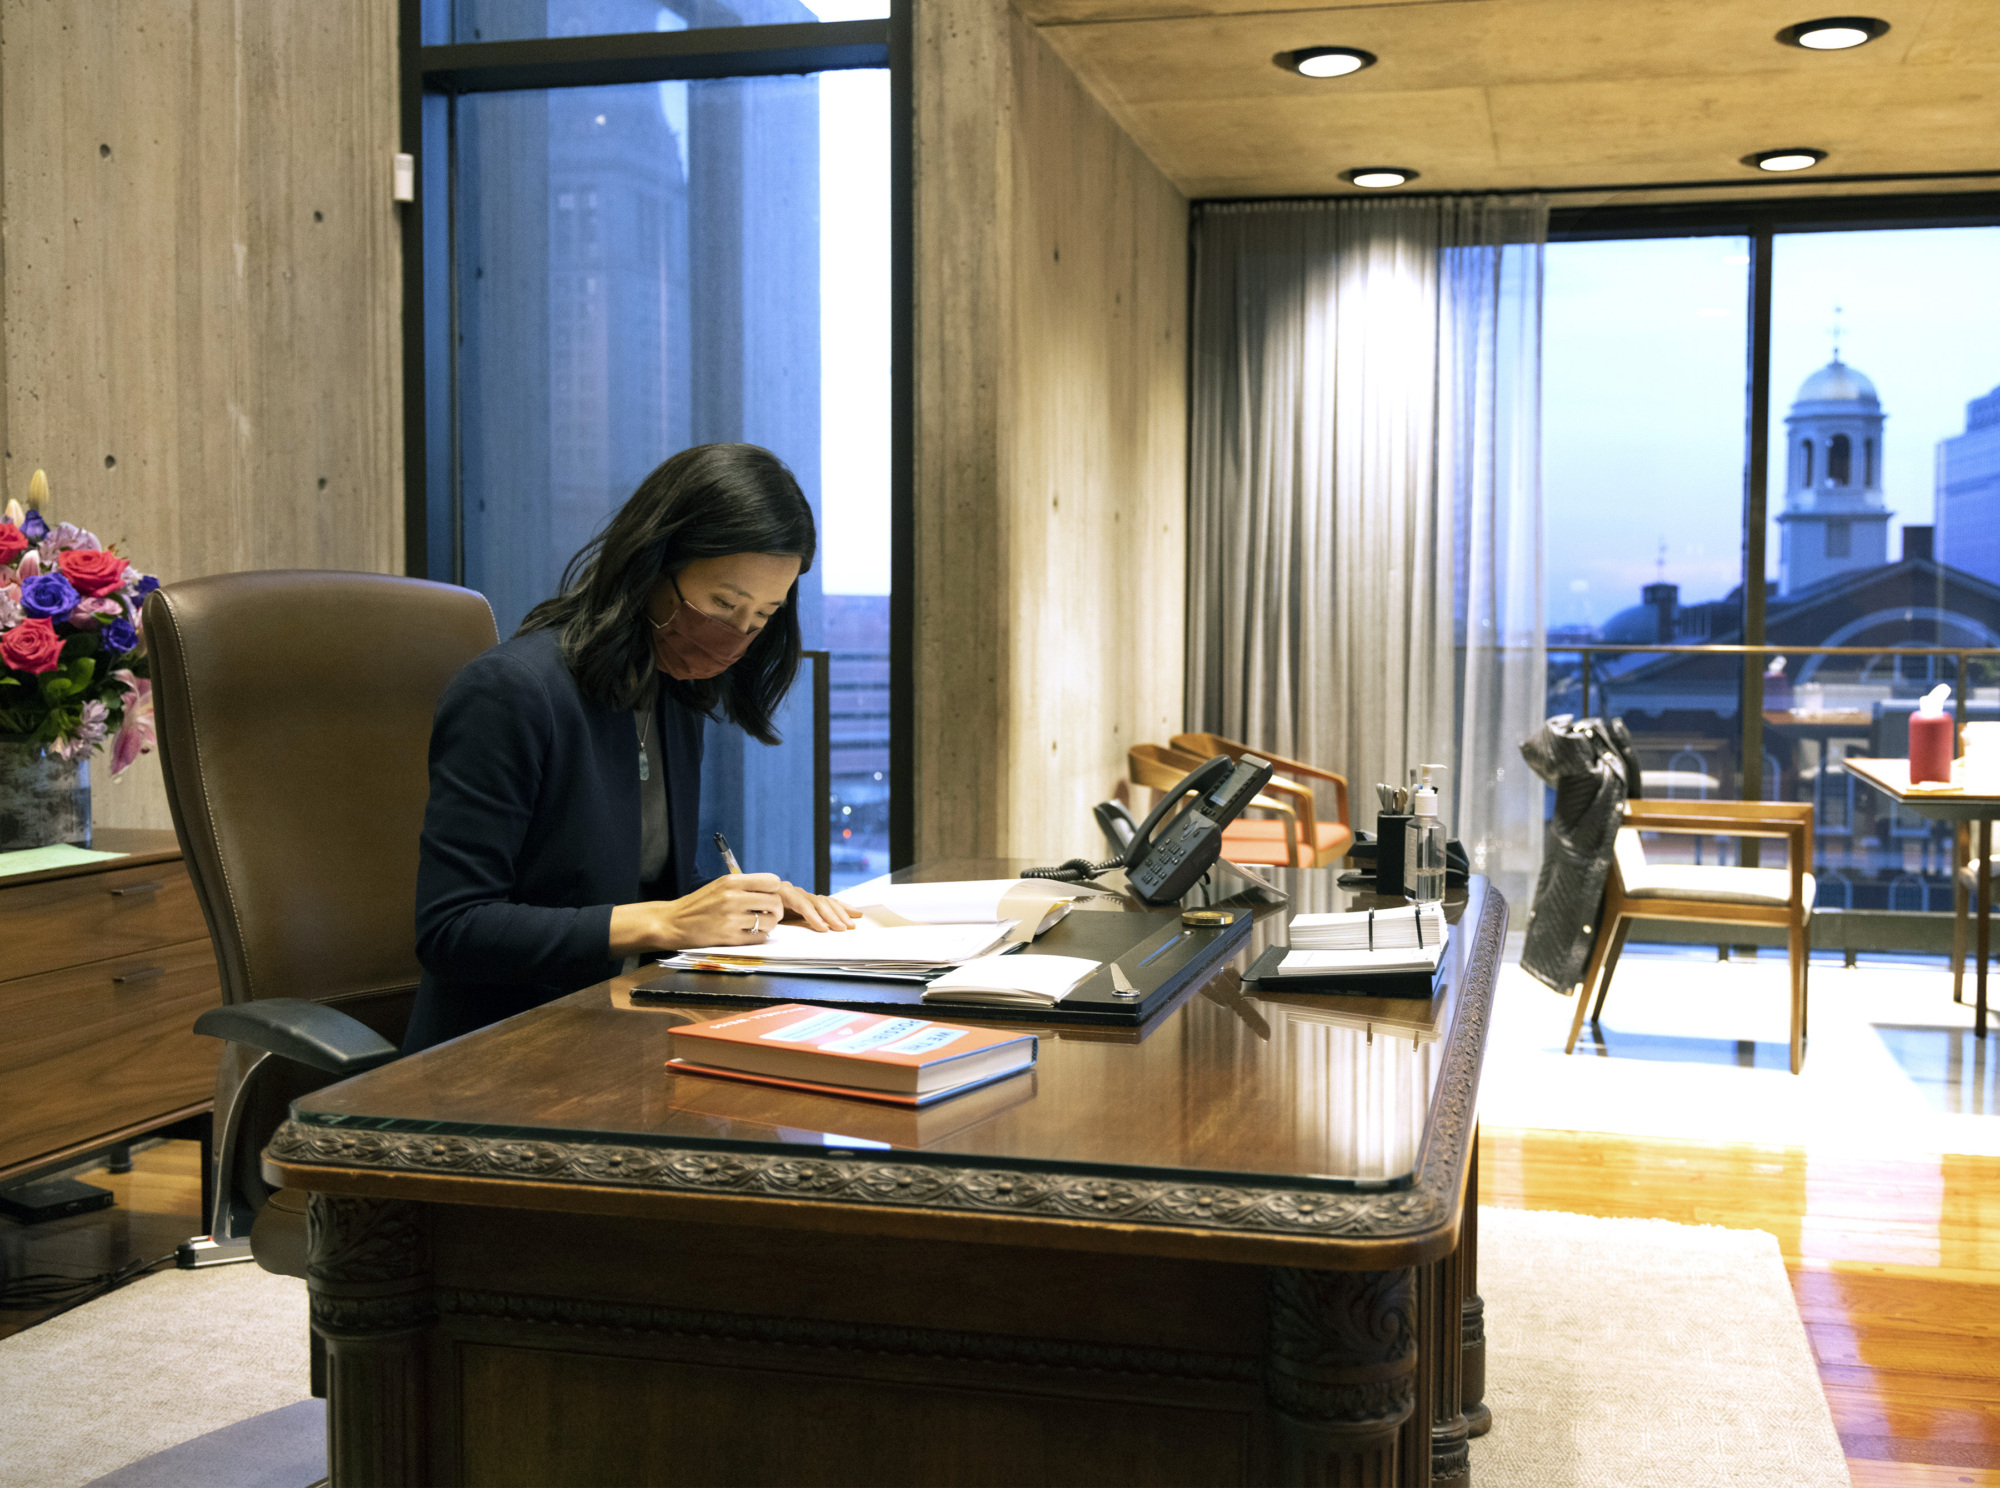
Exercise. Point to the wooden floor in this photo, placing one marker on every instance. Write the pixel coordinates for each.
(1896, 1267)
(158, 1206)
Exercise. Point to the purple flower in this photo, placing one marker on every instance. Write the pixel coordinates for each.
(33, 527)
(146, 586)
(48, 597)
(119, 637)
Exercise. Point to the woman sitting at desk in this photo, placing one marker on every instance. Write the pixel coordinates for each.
(566, 763)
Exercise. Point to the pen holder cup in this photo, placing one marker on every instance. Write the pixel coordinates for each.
(1390, 831)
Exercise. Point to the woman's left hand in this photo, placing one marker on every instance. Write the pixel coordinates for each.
(814, 911)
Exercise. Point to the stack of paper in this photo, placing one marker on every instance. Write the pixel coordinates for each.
(901, 952)
(1366, 942)
(1011, 981)
(1414, 927)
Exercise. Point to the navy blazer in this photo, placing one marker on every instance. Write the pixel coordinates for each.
(532, 835)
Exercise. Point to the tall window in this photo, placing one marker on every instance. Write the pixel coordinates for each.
(1878, 337)
(616, 271)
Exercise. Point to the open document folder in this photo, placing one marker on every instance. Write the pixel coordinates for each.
(912, 952)
(1034, 904)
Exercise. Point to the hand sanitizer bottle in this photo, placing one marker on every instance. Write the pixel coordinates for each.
(1423, 845)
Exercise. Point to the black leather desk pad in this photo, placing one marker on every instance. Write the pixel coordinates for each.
(1157, 954)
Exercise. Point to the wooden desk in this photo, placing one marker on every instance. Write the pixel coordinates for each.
(108, 966)
(1232, 1246)
(1892, 778)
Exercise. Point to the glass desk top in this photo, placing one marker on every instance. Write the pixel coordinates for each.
(1225, 1084)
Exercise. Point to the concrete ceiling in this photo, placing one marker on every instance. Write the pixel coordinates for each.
(1511, 94)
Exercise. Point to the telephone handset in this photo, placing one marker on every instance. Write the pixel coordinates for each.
(1161, 871)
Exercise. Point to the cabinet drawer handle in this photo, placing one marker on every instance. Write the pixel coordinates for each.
(141, 974)
(144, 888)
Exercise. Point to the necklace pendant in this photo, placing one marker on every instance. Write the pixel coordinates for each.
(645, 765)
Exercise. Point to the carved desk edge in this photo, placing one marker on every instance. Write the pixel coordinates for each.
(1429, 1208)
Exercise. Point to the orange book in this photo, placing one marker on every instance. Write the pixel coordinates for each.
(909, 1061)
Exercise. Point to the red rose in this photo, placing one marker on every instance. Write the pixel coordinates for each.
(93, 574)
(12, 544)
(32, 646)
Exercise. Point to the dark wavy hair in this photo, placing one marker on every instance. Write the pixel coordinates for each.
(706, 502)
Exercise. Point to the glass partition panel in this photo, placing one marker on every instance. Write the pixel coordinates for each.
(642, 268)
(1643, 389)
(1885, 498)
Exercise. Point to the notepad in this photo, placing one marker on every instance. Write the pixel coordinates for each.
(1011, 981)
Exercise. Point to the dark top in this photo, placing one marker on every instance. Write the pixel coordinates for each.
(532, 835)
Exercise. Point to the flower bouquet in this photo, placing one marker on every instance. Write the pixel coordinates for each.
(72, 665)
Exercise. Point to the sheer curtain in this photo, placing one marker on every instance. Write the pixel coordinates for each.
(1364, 556)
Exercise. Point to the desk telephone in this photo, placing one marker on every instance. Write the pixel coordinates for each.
(1161, 871)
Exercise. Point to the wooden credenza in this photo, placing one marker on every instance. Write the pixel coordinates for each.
(104, 969)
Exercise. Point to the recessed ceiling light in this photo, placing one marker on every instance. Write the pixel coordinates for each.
(1325, 62)
(1833, 33)
(1375, 177)
(1785, 160)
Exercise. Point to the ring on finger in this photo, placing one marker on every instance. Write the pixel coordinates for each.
(756, 921)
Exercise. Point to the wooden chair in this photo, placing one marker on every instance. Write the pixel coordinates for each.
(1329, 839)
(1160, 767)
(1638, 890)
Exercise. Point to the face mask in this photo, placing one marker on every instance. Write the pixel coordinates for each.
(690, 646)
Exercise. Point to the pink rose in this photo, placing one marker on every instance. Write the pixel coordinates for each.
(31, 646)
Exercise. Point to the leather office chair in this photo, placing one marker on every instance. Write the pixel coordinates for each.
(294, 713)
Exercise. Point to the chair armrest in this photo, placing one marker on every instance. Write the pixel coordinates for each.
(1301, 794)
(1288, 818)
(309, 1033)
(1278, 761)
(1722, 818)
(1733, 811)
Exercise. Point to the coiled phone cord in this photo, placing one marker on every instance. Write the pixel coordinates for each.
(1076, 870)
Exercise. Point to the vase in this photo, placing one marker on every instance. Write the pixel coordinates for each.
(44, 798)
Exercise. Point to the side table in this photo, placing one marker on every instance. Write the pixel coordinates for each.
(107, 966)
(1892, 778)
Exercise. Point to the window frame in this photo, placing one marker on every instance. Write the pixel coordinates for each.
(670, 56)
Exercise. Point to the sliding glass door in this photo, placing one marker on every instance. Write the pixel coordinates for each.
(1878, 419)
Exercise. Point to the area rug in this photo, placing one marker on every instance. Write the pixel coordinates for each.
(1635, 1353)
(167, 1359)
(1620, 1352)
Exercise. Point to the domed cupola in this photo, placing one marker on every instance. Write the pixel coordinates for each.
(1834, 518)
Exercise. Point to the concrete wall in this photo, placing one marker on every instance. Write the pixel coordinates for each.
(200, 292)
(1051, 435)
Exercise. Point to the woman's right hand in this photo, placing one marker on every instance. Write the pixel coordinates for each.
(738, 909)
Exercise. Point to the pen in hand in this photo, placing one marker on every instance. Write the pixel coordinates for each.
(728, 857)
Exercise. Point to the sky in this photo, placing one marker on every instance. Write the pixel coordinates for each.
(854, 328)
(854, 318)
(1644, 353)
